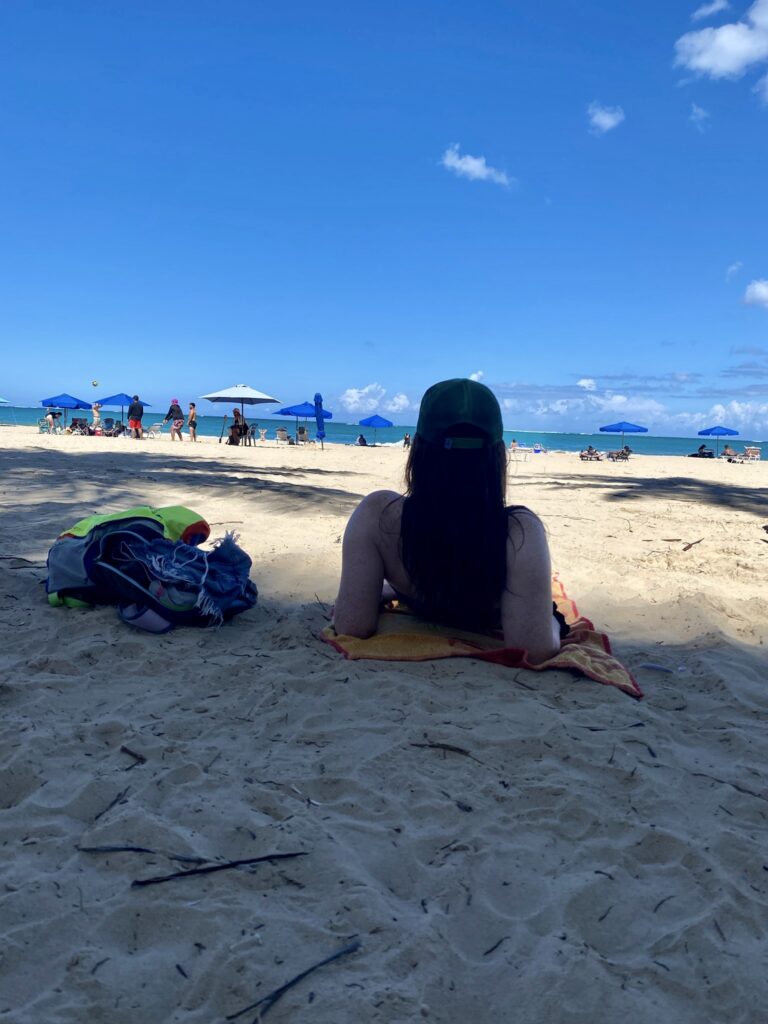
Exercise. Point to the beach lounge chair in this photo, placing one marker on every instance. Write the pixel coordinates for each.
(281, 434)
(622, 455)
(521, 453)
(590, 456)
(302, 435)
(752, 454)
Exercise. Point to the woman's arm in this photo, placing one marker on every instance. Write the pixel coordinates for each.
(526, 606)
(362, 569)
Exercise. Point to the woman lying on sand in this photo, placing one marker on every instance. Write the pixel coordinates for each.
(450, 547)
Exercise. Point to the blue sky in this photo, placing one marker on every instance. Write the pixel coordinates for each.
(568, 202)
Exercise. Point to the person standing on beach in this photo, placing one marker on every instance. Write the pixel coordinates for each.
(176, 416)
(192, 422)
(450, 547)
(135, 416)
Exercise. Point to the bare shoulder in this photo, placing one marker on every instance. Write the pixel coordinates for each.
(525, 525)
(376, 502)
(368, 514)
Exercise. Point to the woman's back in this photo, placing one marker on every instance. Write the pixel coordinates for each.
(450, 545)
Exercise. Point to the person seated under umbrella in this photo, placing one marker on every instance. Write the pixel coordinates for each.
(702, 452)
(239, 428)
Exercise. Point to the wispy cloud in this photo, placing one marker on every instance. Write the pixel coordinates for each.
(749, 350)
(761, 90)
(588, 383)
(727, 51)
(707, 10)
(699, 117)
(477, 375)
(733, 269)
(757, 293)
(656, 401)
(372, 397)
(475, 168)
(752, 368)
(603, 119)
(362, 399)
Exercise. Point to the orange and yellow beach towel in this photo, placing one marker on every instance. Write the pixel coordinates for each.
(401, 636)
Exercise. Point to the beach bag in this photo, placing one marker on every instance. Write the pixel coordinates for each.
(148, 562)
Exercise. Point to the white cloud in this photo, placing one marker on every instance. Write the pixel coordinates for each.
(698, 116)
(749, 417)
(707, 10)
(603, 119)
(372, 397)
(757, 293)
(477, 375)
(761, 89)
(588, 383)
(727, 51)
(365, 399)
(733, 269)
(398, 403)
(473, 167)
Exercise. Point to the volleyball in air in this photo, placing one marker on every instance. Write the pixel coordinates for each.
(94, 383)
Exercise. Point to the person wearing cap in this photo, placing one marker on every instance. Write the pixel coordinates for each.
(135, 415)
(176, 416)
(450, 547)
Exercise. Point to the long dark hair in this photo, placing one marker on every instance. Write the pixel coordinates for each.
(454, 529)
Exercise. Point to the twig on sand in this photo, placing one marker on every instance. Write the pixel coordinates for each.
(138, 758)
(496, 945)
(450, 748)
(647, 746)
(210, 869)
(726, 782)
(693, 544)
(265, 1004)
(665, 900)
(120, 796)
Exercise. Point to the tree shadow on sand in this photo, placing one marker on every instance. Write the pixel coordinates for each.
(733, 496)
(64, 486)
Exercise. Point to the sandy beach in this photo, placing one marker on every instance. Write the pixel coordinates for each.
(579, 856)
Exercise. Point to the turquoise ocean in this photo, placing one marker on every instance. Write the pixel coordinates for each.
(346, 433)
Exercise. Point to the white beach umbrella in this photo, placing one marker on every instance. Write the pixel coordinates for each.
(239, 394)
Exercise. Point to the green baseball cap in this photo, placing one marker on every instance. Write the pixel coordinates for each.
(451, 403)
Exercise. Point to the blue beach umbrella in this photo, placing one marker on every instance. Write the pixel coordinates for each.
(64, 402)
(320, 416)
(112, 401)
(622, 427)
(304, 410)
(375, 422)
(717, 433)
